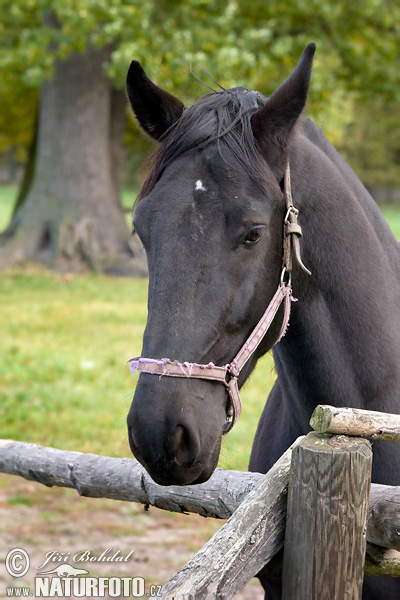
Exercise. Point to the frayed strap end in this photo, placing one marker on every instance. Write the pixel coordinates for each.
(133, 363)
(133, 366)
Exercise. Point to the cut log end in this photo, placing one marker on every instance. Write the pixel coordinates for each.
(356, 422)
(5, 442)
(321, 419)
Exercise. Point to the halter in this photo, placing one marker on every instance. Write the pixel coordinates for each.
(228, 375)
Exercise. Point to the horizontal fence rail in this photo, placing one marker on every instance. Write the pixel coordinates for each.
(257, 508)
(125, 479)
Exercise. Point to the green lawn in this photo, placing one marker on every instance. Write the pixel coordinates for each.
(391, 212)
(8, 196)
(64, 342)
(63, 383)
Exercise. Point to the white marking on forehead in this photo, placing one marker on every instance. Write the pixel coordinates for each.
(199, 186)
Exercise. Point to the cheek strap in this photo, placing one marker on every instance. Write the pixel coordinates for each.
(228, 375)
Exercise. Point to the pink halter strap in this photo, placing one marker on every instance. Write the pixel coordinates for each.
(228, 375)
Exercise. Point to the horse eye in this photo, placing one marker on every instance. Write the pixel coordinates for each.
(253, 236)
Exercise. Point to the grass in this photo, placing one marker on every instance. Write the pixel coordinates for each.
(65, 339)
(391, 212)
(8, 195)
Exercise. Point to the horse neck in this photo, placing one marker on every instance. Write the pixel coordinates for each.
(343, 343)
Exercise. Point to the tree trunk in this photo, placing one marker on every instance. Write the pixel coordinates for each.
(117, 129)
(29, 169)
(71, 216)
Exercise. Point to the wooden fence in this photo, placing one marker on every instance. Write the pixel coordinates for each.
(323, 517)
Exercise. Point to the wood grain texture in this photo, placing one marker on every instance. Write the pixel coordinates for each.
(357, 422)
(247, 541)
(326, 525)
(125, 479)
(384, 516)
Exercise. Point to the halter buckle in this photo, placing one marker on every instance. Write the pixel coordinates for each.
(291, 209)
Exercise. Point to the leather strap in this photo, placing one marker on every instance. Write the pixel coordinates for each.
(292, 231)
(228, 375)
(166, 367)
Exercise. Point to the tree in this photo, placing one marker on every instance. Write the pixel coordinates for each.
(17, 121)
(372, 145)
(68, 211)
(78, 52)
(71, 211)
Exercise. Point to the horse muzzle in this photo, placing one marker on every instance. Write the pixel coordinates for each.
(175, 428)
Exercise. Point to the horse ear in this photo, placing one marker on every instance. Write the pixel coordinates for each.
(155, 109)
(274, 122)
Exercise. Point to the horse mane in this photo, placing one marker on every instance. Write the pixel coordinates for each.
(223, 117)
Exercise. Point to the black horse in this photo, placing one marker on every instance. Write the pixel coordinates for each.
(210, 218)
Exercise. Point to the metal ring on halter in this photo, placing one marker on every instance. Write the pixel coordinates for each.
(291, 209)
(289, 281)
(228, 375)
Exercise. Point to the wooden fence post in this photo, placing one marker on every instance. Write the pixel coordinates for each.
(325, 540)
(246, 542)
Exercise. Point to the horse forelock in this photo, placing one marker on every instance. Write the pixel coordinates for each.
(222, 117)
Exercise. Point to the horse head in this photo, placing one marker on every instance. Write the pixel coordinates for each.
(210, 217)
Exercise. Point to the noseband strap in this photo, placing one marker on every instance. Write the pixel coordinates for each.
(228, 375)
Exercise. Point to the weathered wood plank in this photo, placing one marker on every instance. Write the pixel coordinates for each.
(125, 479)
(357, 422)
(384, 516)
(325, 539)
(249, 539)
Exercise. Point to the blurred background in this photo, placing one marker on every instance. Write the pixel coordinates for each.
(71, 164)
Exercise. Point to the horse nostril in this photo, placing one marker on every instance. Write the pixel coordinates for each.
(186, 446)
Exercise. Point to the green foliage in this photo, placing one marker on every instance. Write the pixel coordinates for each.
(240, 43)
(259, 42)
(371, 143)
